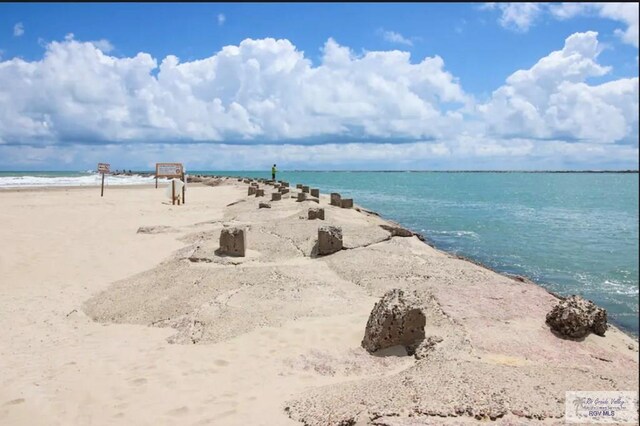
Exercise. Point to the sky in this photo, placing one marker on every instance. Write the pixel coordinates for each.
(319, 86)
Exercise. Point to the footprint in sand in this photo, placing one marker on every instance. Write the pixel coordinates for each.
(15, 401)
(140, 381)
(221, 362)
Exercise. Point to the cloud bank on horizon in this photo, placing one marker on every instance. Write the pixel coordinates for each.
(263, 101)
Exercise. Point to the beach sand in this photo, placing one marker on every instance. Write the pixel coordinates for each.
(104, 325)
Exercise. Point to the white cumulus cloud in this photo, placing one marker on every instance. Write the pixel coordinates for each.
(517, 16)
(553, 100)
(522, 16)
(251, 104)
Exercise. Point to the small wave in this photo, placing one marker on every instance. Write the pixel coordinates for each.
(88, 180)
(467, 234)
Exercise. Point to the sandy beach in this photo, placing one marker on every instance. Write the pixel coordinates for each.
(102, 324)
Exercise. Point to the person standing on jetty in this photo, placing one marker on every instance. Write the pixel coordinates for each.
(273, 172)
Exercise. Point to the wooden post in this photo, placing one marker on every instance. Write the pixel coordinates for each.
(184, 186)
(102, 186)
(173, 192)
(156, 180)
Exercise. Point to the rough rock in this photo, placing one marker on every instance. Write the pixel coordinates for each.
(259, 192)
(276, 196)
(396, 319)
(298, 186)
(251, 190)
(329, 239)
(335, 199)
(233, 242)
(264, 206)
(421, 349)
(316, 213)
(305, 189)
(284, 190)
(397, 231)
(315, 192)
(576, 317)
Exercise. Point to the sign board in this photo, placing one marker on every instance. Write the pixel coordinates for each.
(103, 168)
(169, 170)
(172, 171)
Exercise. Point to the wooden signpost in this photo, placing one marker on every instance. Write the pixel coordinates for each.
(171, 171)
(103, 168)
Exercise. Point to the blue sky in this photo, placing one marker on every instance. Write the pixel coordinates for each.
(316, 96)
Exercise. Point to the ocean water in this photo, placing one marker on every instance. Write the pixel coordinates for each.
(572, 233)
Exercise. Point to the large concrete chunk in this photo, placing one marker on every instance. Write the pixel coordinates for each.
(346, 203)
(329, 240)
(316, 213)
(233, 242)
(264, 206)
(298, 186)
(335, 199)
(396, 319)
(576, 317)
(259, 192)
(252, 190)
(315, 192)
(276, 196)
(305, 189)
(302, 196)
(284, 190)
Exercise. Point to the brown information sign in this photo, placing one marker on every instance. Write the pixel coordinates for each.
(169, 170)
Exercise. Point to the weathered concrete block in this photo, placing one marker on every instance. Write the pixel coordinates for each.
(302, 196)
(284, 190)
(329, 240)
(335, 199)
(577, 317)
(346, 203)
(246, 181)
(396, 319)
(276, 196)
(264, 206)
(298, 186)
(254, 184)
(239, 179)
(259, 192)
(252, 190)
(316, 213)
(315, 192)
(305, 189)
(285, 184)
(233, 242)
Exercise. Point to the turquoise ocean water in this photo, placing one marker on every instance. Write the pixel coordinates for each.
(573, 233)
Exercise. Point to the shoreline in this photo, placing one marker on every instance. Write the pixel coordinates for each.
(277, 331)
(357, 207)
